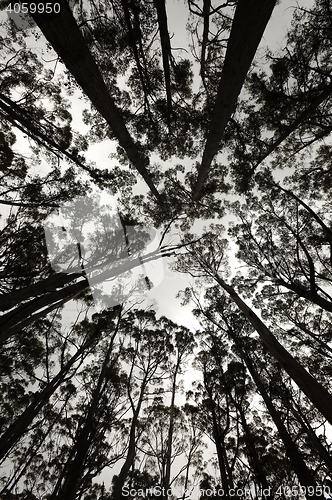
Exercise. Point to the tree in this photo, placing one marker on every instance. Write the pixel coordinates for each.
(147, 355)
(51, 293)
(209, 261)
(109, 374)
(305, 268)
(165, 434)
(20, 425)
(222, 314)
(291, 100)
(249, 23)
(81, 65)
(95, 409)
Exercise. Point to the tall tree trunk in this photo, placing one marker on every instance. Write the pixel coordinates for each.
(20, 425)
(167, 477)
(219, 444)
(13, 321)
(252, 452)
(205, 38)
(166, 53)
(314, 391)
(131, 452)
(249, 23)
(322, 451)
(303, 473)
(58, 280)
(218, 436)
(75, 468)
(49, 284)
(63, 34)
(126, 12)
(288, 400)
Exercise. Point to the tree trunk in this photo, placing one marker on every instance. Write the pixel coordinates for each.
(63, 34)
(120, 480)
(206, 27)
(167, 477)
(249, 23)
(218, 436)
(310, 295)
(148, 371)
(20, 425)
(252, 453)
(303, 473)
(49, 284)
(288, 400)
(314, 391)
(126, 12)
(166, 53)
(13, 321)
(75, 468)
(219, 443)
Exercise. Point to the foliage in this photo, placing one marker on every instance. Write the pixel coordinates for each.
(124, 402)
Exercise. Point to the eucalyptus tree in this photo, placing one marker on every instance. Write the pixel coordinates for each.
(147, 353)
(140, 119)
(81, 64)
(216, 408)
(20, 363)
(216, 21)
(289, 242)
(302, 421)
(109, 254)
(34, 106)
(247, 29)
(249, 22)
(158, 118)
(183, 344)
(206, 258)
(225, 413)
(290, 101)
(225, 326)
(103, 410)
(174, 470)
(20, 425)
(168, 438)
(45, 418)
(24, 423)
(88, 416)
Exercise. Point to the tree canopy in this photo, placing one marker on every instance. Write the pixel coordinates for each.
(143, 142)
